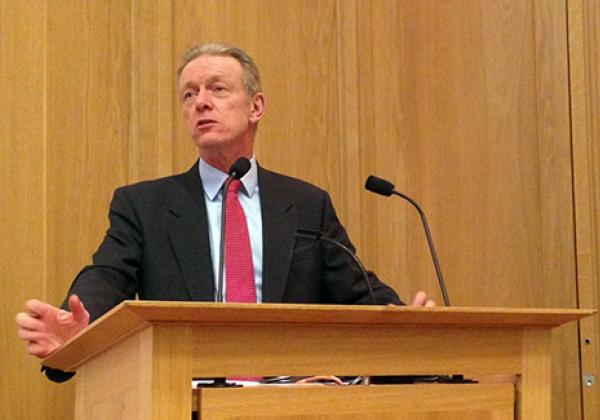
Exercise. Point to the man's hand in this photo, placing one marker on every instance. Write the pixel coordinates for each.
(45, 327)
(420, 299)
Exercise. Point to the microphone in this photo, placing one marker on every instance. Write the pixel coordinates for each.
(320, 236)
(239, 168)
(236, 171)
(386, 188)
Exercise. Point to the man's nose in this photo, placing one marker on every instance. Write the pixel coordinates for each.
(203, 100)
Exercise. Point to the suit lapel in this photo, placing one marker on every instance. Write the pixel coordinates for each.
(279, 226)
(187, 226)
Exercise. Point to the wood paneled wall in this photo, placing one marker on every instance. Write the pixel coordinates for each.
(24, 206)
(463, 104)
(584, 52)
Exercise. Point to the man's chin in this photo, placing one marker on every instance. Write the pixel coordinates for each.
(209, 142)
(222, 145)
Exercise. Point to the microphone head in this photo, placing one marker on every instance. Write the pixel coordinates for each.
(379, 186)
(239, 168)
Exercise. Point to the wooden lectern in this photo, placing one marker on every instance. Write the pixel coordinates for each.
(138, 360)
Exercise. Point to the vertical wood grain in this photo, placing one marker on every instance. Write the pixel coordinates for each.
(22, 195)
(128, 396)
(67, 99)
(349, 133)
(173, 374)
(584, 41)
(447, 96)
(557, 234)
(464, 106)
(88, 103)
(24, 392)
(535, 399)
(152, 91)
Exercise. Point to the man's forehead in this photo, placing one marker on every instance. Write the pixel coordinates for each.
(210, 66)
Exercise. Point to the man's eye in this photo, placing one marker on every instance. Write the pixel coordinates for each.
(219, 89)
(187, 95)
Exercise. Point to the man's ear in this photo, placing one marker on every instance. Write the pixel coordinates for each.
(259, 106)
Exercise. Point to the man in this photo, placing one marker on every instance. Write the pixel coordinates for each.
(164, 235)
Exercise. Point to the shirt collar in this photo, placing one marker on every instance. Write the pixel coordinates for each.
(213, 179)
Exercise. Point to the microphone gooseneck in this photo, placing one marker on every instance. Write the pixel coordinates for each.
(320, 236)
(386, 188)
(239, 168)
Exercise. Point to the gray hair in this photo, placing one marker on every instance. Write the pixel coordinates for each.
(250, 75)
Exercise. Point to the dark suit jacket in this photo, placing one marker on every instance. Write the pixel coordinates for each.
(157, 247)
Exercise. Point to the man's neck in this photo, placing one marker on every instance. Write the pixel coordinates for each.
(223, 159)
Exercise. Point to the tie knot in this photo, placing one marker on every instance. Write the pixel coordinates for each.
(235, 185)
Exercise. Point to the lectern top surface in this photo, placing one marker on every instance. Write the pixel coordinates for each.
(132, 317)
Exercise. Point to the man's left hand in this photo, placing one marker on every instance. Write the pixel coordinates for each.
(421, 299)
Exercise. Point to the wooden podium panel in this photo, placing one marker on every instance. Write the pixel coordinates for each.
(418, 401)
(137, 361)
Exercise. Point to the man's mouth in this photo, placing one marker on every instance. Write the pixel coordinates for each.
(205, 121)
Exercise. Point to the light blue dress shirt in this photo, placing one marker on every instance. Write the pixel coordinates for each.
(213, 180)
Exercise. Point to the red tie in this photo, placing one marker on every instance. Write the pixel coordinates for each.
(238, 253)
(238, 257)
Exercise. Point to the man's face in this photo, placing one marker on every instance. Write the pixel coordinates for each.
(219, 113)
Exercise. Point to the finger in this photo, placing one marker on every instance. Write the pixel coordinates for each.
(80, 315)
(430, 303)
(38, 349)
(420, 299)
(27, 322)
(33, 336)
(38, 309)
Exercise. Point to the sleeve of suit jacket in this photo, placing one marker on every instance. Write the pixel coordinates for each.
(114, 274)
(343, 280)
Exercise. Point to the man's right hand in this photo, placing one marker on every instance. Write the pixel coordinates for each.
(45, 327)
